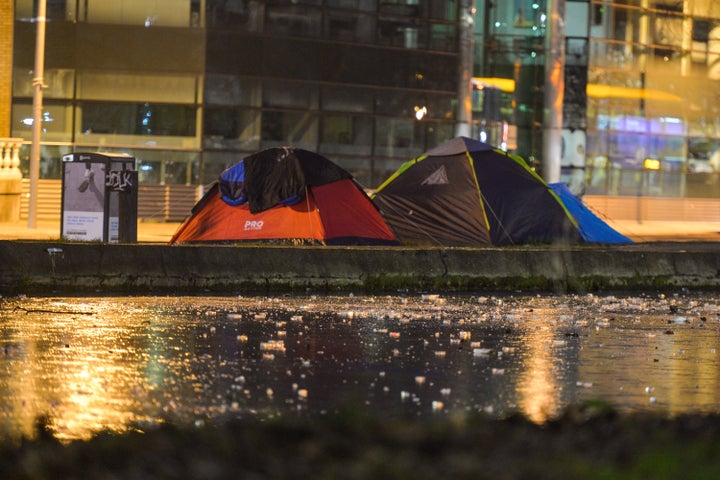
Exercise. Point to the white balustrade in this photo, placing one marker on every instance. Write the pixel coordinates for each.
(10, 179)
(10, 158)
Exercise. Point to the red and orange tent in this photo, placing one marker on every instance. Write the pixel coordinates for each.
(285, 194)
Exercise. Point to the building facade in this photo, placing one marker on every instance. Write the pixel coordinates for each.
(641, 110)
(190, 87)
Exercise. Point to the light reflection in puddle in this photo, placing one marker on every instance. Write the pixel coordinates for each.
(92, 364)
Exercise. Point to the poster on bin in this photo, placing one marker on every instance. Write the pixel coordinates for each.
(84, 201)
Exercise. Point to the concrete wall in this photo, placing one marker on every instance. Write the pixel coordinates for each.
(74, 268)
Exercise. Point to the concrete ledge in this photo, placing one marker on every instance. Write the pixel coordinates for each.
(38, 267)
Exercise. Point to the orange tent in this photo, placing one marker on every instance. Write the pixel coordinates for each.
(285, 194)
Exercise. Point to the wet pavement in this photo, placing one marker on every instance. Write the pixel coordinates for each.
(119, 363)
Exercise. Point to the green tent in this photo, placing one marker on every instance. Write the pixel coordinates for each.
(466, 192)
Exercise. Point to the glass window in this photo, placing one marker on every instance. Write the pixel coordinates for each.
(60, 83)
(164, 166)
(596, 169)
(614, 86)
(700, 43)
(50, 160)
(707, 9)
(346, 134)
(623, 24)
(366, 5)
(443, 37)
(290, 95)
(629, 150)
(137, 88)
(438, 107)
(409, 8)
(529, 14)
(701, 30)
(169, 13)
(703, 155)
(616, 55)
(150, 171)
(138, 119)
(295, 2)
(667, 28)
(237, 128)
(345, 100)
(244, 15)
(349, 26)
(24, 10)
(214, 163)
(56, 121)
(519, 17)
(400, 31)
(55, 10)
(704, 118)
(438, 133)
(399, 104)
(179, 171)
(396, 137)
(232, 90)
(360, 167)
(442, 10)
(297, 129)
(293, 20)
(703, 167)
(383, 168)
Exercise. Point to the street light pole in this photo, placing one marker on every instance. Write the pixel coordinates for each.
(465, 68)
(37, 82)
(554, 89)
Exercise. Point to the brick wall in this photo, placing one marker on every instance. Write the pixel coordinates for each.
(6, 61)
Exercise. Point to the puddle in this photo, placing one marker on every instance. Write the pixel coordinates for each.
(117, 363)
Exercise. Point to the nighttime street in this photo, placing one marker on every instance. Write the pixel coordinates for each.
(359, 239)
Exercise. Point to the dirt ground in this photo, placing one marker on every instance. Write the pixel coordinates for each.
(590, 441)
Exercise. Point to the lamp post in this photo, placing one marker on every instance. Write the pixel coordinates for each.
(465, 68)
(37, 83)
(554, 89)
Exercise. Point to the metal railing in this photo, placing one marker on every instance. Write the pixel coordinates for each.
(156, 203)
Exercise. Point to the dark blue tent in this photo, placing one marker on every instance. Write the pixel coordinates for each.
(465, 192)
(592, 228)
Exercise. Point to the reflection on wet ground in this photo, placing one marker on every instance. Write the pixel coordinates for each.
(90, 364)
